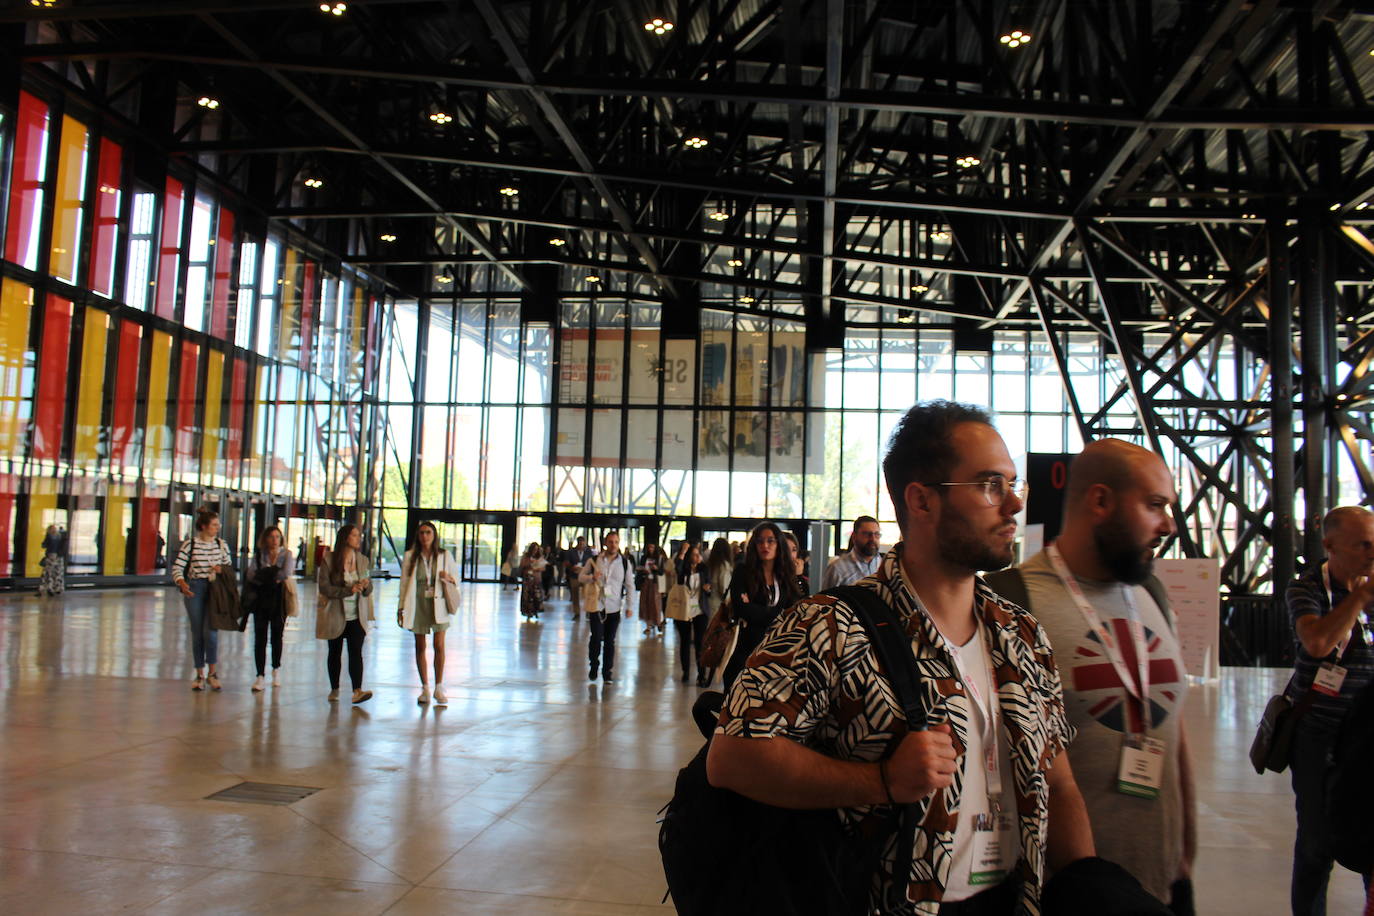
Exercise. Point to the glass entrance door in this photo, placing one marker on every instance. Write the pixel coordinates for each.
(479, 552)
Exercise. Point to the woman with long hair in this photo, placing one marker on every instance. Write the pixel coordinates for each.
(655, 587)
(424, 605)
(200, 559)
(720, 568)
(762, 587)
(692, 574)
(345, 582)
(531, 570)
(264, 588)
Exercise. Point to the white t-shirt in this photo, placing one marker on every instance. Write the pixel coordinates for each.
(972, 662)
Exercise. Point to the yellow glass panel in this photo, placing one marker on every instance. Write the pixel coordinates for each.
(16, 309)
(288, 343)
(117, 522)
(213, 439)
(71, 190)
(90, 402)
(158, 452)
(42, 513)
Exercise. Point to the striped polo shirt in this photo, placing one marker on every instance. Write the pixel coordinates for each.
(1308, 596)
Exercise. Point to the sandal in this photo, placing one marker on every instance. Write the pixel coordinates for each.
(198, 683)
(213, 681)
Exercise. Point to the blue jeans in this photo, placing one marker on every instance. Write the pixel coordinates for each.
(204, 641)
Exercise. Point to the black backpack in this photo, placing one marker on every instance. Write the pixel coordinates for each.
(726, 854)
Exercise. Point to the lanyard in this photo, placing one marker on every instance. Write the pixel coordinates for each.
(1139, 689)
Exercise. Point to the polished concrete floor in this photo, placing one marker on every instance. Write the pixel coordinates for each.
(532, 792)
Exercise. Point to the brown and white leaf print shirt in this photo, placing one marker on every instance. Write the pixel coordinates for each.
(815, 680)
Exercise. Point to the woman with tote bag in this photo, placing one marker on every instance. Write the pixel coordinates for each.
(345, 609)
(429, 599)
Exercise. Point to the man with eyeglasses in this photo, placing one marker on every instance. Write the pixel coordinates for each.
(811, 721)
(1108, 619)
(862, 557)
(1329, 607)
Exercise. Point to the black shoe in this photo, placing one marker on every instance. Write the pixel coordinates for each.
(684, 677)
(609, 678)
(591, 673)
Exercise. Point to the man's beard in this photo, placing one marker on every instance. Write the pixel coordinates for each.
(867, 550)
(1126, 560)
(959, 545)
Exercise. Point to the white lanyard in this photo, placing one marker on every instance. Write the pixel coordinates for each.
(991, 710)
(1139, 689)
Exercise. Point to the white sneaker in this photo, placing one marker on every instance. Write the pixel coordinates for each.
(423, 698)
(440, 698)
(257, 684)
(276, 677)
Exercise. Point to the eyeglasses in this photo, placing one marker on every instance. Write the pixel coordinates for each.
(995, 488)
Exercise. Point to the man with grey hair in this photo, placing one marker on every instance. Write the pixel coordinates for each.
(1334, 664)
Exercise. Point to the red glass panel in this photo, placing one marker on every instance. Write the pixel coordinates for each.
(186, 409)
(125, 395)
(238, 394)
(9, 488)
(224, 260)
(169, 254)
(149, 514)
(51, 404)
(26, 182)
(308, 300)
(106, 237)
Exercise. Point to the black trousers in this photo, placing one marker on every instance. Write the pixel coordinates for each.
(353, 634)
(267, 623)
(690, 633)
(995, 901)
(601, 642)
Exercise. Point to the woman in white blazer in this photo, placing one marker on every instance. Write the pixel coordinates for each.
(428, 588)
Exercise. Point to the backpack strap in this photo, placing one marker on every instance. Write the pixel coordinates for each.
(890, 642)
(1157, 592)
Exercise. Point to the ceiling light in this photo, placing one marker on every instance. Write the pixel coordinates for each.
(906, 319)
(968, 162)
(920, 288)
(338, 9)
(388, 237)
(441, 117)
(1015, 38)
(593, 279)
(1335, 207)
(940, 235)
(746, 300)
(49, 4)
(108, 189)
(1362, 205)
(658, 26)
(720, 216)
(314, 182)
(509, 191)
(442, 278)
(557, 242)
(734, 262)
(206, 101)
(696, 142)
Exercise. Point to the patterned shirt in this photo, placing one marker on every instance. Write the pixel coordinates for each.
(815, 680)
(1308, 595)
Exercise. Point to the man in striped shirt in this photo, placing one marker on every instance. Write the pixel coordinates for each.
(862, 558)
(1335, 663)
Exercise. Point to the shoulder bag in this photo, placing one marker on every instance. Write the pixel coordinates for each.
(1272, 748)
(720, 633)
(678, 598)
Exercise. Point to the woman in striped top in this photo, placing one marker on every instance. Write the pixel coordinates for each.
(199, 560)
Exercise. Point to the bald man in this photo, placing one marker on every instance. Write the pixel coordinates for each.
(1334, 664)
(1125, 693)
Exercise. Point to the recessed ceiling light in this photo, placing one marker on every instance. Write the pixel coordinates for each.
(314, 183)
(206, 101)
(920, 288)
(49, 4)
(1015, 38)
(338, 9)
(1362, 205)
(442, 278)
(720, 216)
(509, 191)
(388, 237)
(658, 26)
(1335, 207)
(940, 235)
(734, 262)
(906, 319)
(557, 242)
(440, 117)
(968, 162)
(696, 142)
(746, 300)
(593, 279)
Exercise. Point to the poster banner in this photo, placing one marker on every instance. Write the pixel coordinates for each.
(1192, 586)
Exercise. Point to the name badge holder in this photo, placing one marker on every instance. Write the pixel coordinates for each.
(1141, 769)
(992, 832)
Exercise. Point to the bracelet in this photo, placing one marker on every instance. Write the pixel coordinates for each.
(882, 774)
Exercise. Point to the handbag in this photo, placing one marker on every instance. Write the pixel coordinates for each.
(290, 601)
(1272, 748)
(678, 598)
(720, 634)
